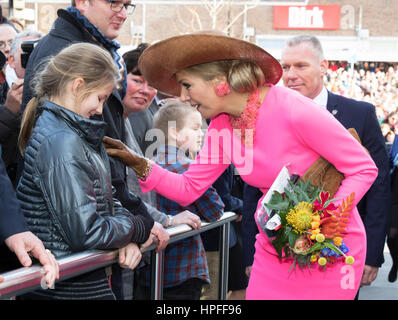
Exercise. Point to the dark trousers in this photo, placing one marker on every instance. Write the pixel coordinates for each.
(117, 282)
(190, 289)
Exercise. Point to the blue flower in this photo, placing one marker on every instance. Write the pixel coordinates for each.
(325, 251)
(344, 248)
(332, 253)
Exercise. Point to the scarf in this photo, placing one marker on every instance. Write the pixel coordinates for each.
(111, 45)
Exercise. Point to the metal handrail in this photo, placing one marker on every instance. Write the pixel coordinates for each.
(23, 280)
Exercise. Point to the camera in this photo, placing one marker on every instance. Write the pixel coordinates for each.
(3, 60)
(27, 47)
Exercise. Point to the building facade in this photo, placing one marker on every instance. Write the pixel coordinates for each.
(350, 30)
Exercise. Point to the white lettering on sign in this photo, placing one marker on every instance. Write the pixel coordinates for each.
(300, 17)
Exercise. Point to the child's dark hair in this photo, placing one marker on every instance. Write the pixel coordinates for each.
(131, 58)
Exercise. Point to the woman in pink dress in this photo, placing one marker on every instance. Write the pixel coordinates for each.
(259, 128)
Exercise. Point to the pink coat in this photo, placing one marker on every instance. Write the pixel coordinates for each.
(290, 129)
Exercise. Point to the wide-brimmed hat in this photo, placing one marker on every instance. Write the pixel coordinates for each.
(161, 61)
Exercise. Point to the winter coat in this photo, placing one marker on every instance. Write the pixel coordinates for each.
(65, 191)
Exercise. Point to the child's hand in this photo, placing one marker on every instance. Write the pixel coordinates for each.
(162, 235)
(187, 217)
(151, 240)
(130, 256)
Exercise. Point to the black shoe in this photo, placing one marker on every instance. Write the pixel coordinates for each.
(392, 276)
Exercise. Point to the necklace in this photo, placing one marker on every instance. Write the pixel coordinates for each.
(244, 126)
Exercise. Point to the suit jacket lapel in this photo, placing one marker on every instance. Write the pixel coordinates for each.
(332, 105)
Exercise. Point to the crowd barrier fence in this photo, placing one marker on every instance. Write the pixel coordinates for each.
(23, 280)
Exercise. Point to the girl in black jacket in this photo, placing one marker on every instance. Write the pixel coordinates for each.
(65, 190)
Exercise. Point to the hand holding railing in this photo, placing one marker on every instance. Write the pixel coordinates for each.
(24, 280)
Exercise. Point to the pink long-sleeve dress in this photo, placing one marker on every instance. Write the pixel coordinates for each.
(290, 130)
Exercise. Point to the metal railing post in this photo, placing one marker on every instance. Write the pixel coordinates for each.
(224, 261)
(157, 275)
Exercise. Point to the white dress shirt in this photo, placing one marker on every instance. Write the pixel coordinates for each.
(322, 97)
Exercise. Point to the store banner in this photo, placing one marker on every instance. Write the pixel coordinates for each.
(317, 17)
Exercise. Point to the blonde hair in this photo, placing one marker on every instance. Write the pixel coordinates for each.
(175, 112)
(81, 60)
(242, 75)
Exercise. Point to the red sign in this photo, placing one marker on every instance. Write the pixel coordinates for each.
(325, 17)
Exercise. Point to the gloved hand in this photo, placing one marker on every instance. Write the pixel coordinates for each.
(117, 149)
(323, 173)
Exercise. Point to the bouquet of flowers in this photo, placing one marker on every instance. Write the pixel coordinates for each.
(305, 225)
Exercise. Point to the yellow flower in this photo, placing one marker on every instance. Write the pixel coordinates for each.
(315, 224)
(320, 237)
(316, 218)
(322, 261)
(313, 258)
(349, 260)
(316, 231)
(300, 217)
(338, 241)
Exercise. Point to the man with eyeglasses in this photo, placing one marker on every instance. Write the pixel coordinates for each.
(99, 22)
(7, 34)
(10, 111)
(8, 76)
(10, 102)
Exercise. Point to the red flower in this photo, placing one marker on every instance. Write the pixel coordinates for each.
(320, 206)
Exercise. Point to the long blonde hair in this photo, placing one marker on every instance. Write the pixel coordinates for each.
(81, 60)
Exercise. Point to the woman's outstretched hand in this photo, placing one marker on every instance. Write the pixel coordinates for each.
(117, 149)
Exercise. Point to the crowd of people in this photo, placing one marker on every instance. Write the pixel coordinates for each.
(77, 129)
(376, 83)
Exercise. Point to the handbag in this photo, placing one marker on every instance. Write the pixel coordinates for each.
(324, 174)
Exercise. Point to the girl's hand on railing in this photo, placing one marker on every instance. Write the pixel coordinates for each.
(162, 236)
(151, 239)
(130, 256)
(187, 217)
(50, 271)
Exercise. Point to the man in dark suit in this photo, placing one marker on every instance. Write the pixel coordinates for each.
(14, 234)
(304, 67)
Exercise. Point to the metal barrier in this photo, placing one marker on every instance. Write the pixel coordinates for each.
(24, 280)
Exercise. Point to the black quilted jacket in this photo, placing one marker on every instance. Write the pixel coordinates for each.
(65, 31)
(65, 190)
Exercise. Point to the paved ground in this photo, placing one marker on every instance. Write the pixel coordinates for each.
(381, 289)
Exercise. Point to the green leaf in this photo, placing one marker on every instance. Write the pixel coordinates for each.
(277, 202)
(292, 237)
(292, 196)
(287, 252)
(293, 266)
(332, 247)
(316, 247)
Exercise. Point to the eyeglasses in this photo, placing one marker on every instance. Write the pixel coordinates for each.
(117, 6)
(3, 44)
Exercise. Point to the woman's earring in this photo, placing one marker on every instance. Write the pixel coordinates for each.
(222, 89)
